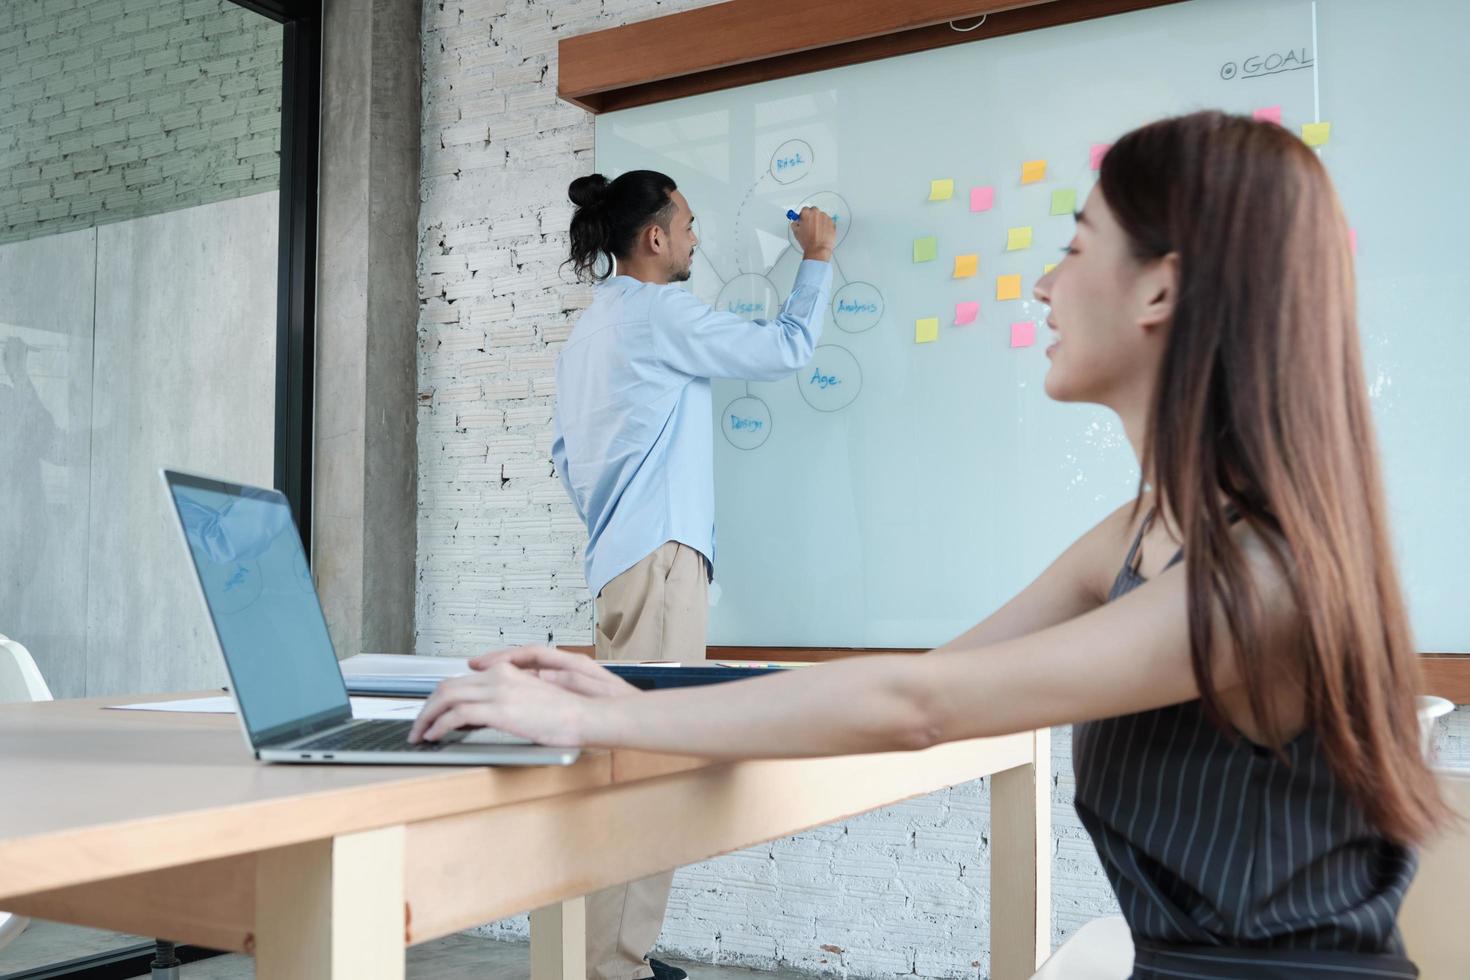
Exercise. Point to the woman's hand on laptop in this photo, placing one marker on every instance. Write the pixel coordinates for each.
(540, 693)
(573, 671)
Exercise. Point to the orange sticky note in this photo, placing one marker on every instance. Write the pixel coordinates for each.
(966, 266)
(1032, 171)
(1023, 334)
(1317, 133)
(965, 313)
(926, 331)
(1008, 287)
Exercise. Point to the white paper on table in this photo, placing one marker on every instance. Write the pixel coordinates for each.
(220, 704)
(401, 709)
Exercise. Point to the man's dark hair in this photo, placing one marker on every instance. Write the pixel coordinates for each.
(611, 214)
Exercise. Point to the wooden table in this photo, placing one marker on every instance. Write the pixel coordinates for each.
(163, 825)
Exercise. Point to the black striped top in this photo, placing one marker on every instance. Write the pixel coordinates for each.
(1229, 862)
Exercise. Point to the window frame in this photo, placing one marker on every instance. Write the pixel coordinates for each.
(301, 70)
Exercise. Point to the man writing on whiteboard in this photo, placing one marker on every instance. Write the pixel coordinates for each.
(634, 446)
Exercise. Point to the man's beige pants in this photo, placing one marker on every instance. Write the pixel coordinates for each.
(656, 610)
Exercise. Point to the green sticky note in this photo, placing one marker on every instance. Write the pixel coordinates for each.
(926, 249)
(941, 190)
(926, 331)
(1064, 202)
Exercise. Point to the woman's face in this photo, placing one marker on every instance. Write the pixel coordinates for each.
(1109, 314)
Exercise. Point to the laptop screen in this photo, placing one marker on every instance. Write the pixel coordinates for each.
(253, 572)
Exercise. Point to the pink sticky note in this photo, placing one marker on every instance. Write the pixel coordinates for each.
(1272, 113)
(1353, 240)
(965, 313)
(1099, 150)
(1023, 334)
(982, 198)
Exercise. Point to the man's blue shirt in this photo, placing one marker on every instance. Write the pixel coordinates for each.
(634, 439)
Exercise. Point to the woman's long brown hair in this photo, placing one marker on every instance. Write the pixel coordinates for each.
(1262, 408)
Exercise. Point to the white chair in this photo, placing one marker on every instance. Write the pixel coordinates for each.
(1103, 948)
(1431, 710)
(1432, 918)
(20, 680)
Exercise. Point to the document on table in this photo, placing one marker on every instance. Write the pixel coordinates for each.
(399, 709)
(399, 675)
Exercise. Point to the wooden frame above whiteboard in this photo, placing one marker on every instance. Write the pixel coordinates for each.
(741, 42)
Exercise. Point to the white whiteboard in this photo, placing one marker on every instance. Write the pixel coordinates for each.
(896, 492)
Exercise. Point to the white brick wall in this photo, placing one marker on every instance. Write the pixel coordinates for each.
(113, 109)
(899, 891)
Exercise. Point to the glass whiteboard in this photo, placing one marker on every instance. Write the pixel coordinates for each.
(916, 476)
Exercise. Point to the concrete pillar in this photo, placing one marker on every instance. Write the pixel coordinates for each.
(365, 478)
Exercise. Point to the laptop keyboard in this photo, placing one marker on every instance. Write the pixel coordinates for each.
(392, 736)
(375, 736)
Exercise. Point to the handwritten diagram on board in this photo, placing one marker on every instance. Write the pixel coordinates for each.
(915, 476)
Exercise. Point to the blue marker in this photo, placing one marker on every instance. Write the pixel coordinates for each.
(793, 216)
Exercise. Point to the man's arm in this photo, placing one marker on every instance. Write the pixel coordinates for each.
(703, 342)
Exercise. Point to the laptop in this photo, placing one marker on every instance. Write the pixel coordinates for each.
(288, 690)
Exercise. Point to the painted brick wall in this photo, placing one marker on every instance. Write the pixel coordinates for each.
(899, 891)
(114, 109)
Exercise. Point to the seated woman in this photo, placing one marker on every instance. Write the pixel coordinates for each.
(1232, 645)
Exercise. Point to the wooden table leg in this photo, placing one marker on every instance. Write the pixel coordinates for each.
(559, 941)
(1020, 865)
(332, 909)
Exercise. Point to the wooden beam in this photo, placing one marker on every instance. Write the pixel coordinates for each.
(210, 903)
(742, 42)
(1447, 675)
(662, 818)
(1020, 865)
(332, 909)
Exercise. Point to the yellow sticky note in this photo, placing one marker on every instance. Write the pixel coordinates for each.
(1048, 267)
(1018, 238)
(1008, 287)
(926, 331)
(1317, 133)
(1033, 171)
(966, 266)
(941, 190)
